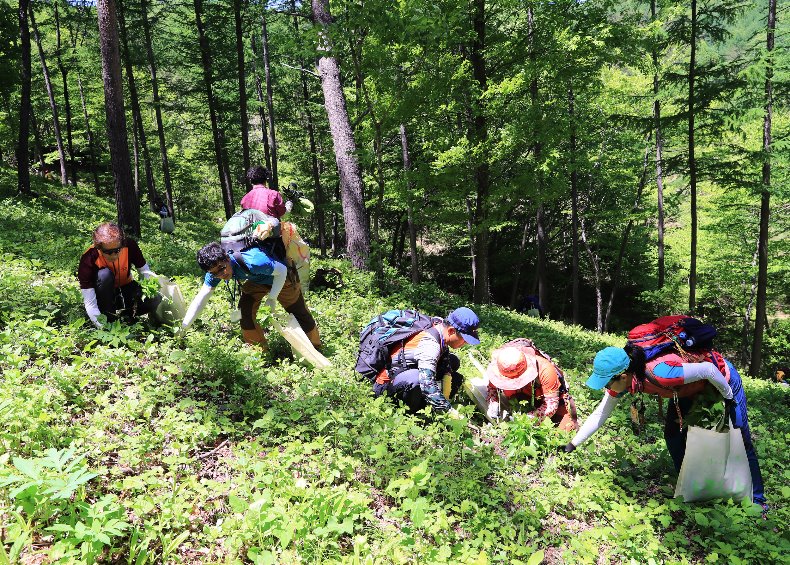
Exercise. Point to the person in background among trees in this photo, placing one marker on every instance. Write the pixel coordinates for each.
(519, 372)
(263, 198)
(530, 305)
(105, 277)
(418, 367)
(624, 370)
(166, 224)
(270, 202)
(262, 277)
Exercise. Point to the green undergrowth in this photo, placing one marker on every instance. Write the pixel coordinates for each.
(127, 445)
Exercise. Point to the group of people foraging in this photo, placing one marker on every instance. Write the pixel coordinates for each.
(407, 355)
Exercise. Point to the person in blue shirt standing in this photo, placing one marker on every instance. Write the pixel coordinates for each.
(262, 278)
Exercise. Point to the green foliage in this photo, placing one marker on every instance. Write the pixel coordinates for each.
(128, 445)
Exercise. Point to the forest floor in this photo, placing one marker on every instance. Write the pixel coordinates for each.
(127, 445)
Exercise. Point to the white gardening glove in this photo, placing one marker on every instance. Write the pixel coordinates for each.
(146, 272)
(493, 410)
(288, 206)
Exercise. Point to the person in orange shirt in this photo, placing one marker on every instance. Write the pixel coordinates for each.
(519, 371)
(105, 276)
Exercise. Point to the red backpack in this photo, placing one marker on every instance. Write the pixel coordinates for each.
(679, 332)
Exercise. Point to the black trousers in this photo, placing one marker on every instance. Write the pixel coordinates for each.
(126, 300)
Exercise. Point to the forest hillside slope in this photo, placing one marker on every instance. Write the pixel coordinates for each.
(126, 445)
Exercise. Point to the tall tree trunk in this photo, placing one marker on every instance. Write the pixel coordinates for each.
(574, 213)
(135, 159)
(624, 241)
(261, 104)
(125, 197)
(23, 143)
(245, 136)
(318, 189)
(66, 101)
(89, 133)
(514, 294)
(541, 271)
(160, 130)
(217, 133)
(354, 214)
(415, 266)
(596, 277)
(659, 158)
(267, 72)
(137, 114)
(765, 201)
(692, 161)
(482, 292)
(747, 316)
(52, 104)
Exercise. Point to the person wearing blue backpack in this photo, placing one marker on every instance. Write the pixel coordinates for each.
(262, 278)
(681, 377)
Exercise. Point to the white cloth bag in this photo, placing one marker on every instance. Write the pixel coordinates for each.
(300, 343)
(173, 308)
(715, 466)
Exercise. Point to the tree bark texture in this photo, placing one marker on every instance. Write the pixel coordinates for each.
(137, 114)
(596, 277)
(692, 162)
(261, 105)
(514, 291)
(245, 129)
(217, 133)
(765, 201)
(23, 143)
(64, 71)
(480, 138)
(354, 214)
(267, 73)
(160, 130)
(52, 104)
(125, 197)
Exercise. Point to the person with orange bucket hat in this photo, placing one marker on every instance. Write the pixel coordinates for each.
(520, 371)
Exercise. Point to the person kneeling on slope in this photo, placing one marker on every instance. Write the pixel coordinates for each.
(625, 370)
(262, 277)
(420, 363)
(105, 276)
(519, 371)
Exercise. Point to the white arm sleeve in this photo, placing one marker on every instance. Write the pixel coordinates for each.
(197, 305)
(91, 305)
(596, 419)
(146, 271)
(693, 372)
(279, 275)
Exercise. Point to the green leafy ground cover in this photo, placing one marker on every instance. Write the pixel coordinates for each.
(128, 446)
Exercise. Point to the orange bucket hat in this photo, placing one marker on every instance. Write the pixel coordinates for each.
(510, 369)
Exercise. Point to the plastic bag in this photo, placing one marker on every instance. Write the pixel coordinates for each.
(715, 466)
(166, 225)
(300, 343)
(172, 308)
(477, 388)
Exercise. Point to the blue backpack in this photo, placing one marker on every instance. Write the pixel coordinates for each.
(382, 332)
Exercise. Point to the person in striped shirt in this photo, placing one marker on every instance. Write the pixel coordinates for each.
(679, 378)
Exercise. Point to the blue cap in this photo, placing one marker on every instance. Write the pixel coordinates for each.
(609, 362)
(466, 322)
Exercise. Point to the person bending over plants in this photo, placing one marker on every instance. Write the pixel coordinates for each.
(263, 198)
(679, 378)
(420, 362)
(105, 277)
(262, 278)
(520, 371)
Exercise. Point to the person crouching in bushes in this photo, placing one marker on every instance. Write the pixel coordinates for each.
(105, 276)
(681, 379)
(421, 362)
(519, 372)
(263, 279)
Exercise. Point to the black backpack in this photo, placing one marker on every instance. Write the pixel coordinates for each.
(384, 331)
